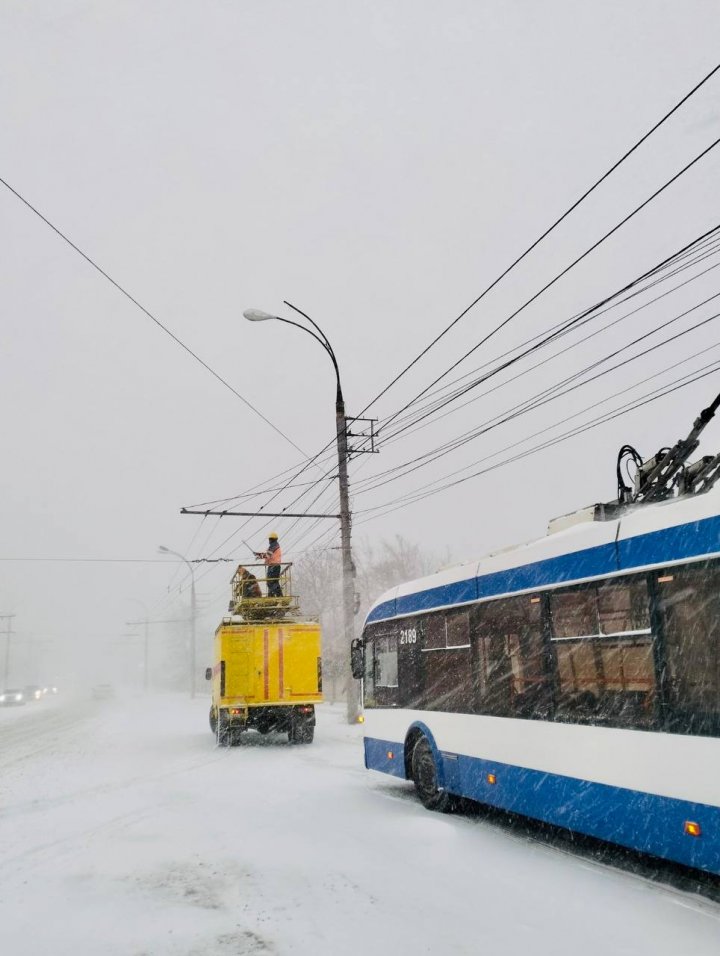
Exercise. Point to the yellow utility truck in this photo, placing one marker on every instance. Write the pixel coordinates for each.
(267, 665)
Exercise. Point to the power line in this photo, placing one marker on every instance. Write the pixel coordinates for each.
(408, 500)
(559, 275)
(580, 319)
(549, 395)
(411, 422)
(547, 232)
(98, 560)
(152, 317)
(567, 418)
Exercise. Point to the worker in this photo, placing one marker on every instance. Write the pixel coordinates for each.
(272, 558)
(249, 588)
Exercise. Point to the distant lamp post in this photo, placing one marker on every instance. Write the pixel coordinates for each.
(146, 644)
(348, 586)
(193, 607)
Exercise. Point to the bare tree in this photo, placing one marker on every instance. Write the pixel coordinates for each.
(317, 580)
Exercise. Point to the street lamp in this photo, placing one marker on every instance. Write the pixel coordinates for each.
(163, 550)
(348, 587)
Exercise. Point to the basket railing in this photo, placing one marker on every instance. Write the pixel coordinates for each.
(259, 590)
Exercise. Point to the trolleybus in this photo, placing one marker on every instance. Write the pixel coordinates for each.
(575, 679)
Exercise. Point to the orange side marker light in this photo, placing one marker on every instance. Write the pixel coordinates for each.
(390, 755)
(491, 778)
(692, 829)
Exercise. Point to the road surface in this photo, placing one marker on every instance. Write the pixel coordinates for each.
(126, 831)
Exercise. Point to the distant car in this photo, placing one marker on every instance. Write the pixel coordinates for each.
(103, 691)
(50, 689)
(33, 692)
(12, 697)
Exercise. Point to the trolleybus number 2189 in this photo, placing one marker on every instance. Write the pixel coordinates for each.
(408, 635)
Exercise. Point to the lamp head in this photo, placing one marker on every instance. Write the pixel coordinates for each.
(163, 549)
(257, 315)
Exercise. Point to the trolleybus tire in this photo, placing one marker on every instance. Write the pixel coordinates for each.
(425, 778)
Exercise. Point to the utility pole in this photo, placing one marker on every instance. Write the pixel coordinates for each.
(341, 431)
(193, 613)
(352, 688)
(146, 622)
(146, 657)
(8, 632)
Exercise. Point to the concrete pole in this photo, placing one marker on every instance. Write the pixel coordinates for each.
(146, 657)
(193, 617)
(348, 568)
(8, 632)
(193, 612)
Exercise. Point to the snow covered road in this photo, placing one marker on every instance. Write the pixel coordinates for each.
(125, 831)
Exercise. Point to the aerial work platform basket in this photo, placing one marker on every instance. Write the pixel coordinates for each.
(259, 593)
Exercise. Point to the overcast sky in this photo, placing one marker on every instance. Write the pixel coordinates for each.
(378, 164)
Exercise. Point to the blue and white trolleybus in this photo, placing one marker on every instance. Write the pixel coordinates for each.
(575, 679)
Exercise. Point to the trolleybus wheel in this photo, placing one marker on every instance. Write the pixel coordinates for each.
(425, 778)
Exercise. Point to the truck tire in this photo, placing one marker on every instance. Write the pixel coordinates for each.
(425, 778)
(213, 720)
(223, 735)
(301, 733)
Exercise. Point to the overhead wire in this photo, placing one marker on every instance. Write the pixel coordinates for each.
(411, 422)
(150, 316)
(546, 233)
(551, 394)
(560, 275)
(550, 358)
(593, 406)
(408, 500)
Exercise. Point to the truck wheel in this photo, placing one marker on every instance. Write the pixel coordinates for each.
(213, 720)
(301, 734)
(425, 778)
(223, 736)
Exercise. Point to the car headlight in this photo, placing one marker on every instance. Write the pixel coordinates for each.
(18, 696)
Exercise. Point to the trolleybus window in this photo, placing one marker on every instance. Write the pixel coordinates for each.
(603, 648)
(446, 663)
(381, 666)
(512, 678)
(386, 661)
(690, 607)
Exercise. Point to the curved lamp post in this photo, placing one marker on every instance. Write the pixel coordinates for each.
(348, 587)
(163, 550)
